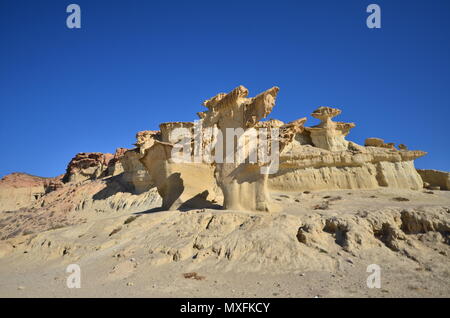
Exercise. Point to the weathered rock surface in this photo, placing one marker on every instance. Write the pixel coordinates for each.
(127, 166)
(87, 166)
(18, 190)
(304, 167)
(329, 161)
(134, 173)
(374, 142)
(435, 178)
(181, 185)
(243, 184)
(312, 158)
(115, 165)
(145, 139)
(72, 204)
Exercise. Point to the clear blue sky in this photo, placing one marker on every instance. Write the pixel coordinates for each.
(134, 64)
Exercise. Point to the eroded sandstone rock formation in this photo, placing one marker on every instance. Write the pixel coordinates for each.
(435, 178)
(134, 174)
(328, 134)
(114, 165)
(244, 183)
(181, 185)
(329, 161)
(87, 166)
(310, 158)
(18, 190)
(124, 165)
(297, 158)
(194, 183)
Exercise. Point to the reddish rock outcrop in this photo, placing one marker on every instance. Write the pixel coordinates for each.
(87, 166)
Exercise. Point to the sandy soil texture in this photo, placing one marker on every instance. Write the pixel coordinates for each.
(320, 245)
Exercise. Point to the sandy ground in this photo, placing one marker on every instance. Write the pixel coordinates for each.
(243, 254)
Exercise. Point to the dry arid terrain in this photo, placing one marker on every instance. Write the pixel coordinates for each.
(140, 223)
(319, 245)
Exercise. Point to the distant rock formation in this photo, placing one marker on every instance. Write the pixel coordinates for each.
(18, 190)
(87, 166)
(124, 165)
(435, 178)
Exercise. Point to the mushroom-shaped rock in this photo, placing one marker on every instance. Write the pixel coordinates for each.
(328, 134)
(325, 114)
